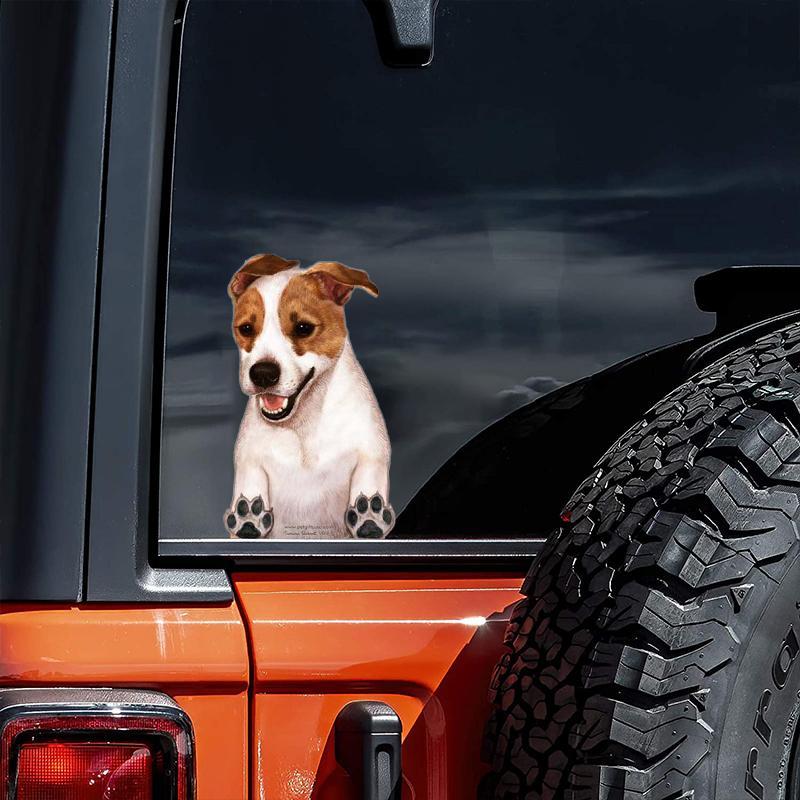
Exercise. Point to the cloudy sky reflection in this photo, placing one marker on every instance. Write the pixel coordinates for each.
(533, 207)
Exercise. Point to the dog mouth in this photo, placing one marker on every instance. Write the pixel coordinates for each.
(274, 407)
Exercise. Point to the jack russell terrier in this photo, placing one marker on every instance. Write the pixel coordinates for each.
(312, 455)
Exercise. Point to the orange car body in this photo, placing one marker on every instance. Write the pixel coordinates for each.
(263, 678)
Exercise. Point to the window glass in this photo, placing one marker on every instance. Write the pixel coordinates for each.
(532, 207)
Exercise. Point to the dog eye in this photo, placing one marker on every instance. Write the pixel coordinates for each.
(303, 329)
(246, 329)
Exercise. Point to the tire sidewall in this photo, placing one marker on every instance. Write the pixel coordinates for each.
(763, 710)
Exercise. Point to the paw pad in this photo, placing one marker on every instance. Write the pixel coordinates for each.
(369, 517)
(248, 519)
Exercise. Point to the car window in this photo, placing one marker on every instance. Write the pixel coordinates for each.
(532, 207)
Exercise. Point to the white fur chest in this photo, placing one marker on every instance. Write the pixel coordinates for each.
(308, 472)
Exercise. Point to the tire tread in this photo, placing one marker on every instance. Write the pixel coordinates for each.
(634, 603)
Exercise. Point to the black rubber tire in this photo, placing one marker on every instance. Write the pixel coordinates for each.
(654, 654)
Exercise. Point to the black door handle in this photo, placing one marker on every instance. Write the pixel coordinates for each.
(367, 739)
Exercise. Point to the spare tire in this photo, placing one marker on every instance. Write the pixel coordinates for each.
(655, 655)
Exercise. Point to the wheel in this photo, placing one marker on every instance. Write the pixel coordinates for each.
(655, 653)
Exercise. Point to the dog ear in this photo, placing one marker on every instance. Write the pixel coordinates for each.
(338, 281)
(256, 267)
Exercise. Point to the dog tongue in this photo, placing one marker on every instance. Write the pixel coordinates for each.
(272, 402)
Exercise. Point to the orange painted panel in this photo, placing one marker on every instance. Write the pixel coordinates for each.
(197, 655)
(220, 726)
(293, 748)
(136, 645)
(426, 646)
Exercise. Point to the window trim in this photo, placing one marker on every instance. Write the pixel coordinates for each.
(495, 554)
(121, 564)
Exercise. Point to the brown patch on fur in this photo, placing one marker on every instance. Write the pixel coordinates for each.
(248, 309)
(305, 300)
(256, 267)
(339, 280)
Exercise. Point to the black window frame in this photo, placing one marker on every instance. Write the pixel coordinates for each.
(55, 63)
(121, 559)
(130, 358)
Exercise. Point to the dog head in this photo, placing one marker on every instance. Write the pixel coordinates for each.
(289, 326)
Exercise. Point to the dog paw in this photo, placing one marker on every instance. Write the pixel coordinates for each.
(369, 518)
(249, 519)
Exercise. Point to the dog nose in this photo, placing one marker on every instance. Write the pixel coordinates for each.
(265, 374)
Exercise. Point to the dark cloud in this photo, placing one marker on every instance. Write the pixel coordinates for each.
(508, 400)
(542, 384)
(204, 343)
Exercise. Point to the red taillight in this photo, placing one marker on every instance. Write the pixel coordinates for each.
(91, 771)
(85, 756)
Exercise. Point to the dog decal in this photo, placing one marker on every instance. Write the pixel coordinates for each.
(312, 455)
